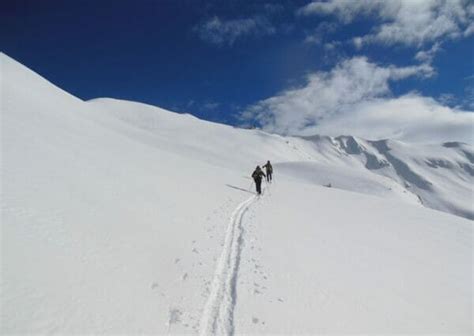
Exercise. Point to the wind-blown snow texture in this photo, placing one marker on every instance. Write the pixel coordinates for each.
(119, 217)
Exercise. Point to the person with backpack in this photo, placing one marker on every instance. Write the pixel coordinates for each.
(257, 177)
(269, 169)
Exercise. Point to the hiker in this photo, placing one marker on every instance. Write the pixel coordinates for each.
(269, 169)
(257, 177)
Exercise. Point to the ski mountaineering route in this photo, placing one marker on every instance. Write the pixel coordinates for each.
(218, 314)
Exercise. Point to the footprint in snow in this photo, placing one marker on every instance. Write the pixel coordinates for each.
(174, 316)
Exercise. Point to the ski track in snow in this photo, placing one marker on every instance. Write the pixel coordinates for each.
(217, 317)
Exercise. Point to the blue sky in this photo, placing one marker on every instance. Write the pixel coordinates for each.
(277, 64)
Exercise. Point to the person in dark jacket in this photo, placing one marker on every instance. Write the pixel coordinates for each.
(269, 169)
(257, 177)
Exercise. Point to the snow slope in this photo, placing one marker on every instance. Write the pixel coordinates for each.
(437, 176)
(118, 217)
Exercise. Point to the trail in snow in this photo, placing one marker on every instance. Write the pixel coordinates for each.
(217, 317)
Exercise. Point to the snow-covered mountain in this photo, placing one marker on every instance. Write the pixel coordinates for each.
(441, 176)
(437, 176)
(120, 217)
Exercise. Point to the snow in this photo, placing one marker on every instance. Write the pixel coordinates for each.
(119, 217)
(357, 265)
(217, 317)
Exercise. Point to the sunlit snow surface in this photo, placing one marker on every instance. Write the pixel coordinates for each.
(119, 217)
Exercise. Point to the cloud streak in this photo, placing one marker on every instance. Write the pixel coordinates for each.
(355, 98)
(411, 118)
(405, 22)
(226, 32)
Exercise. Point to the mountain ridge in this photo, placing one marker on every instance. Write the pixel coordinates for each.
(385, 157)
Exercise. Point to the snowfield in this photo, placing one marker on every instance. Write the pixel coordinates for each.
(123, 218)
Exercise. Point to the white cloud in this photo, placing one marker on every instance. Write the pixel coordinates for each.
(469, 94)
(355, 98)
(317, 35)
(273, 8)
(406, 22)
(211, 105)
(428, 55)
(346, 11)
(226, 32)
(358, 42)
(313, 39)
(447, 99)
(469, 30)
(331, 46)
(411, 117)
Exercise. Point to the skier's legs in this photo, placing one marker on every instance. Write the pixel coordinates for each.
(258, 183)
